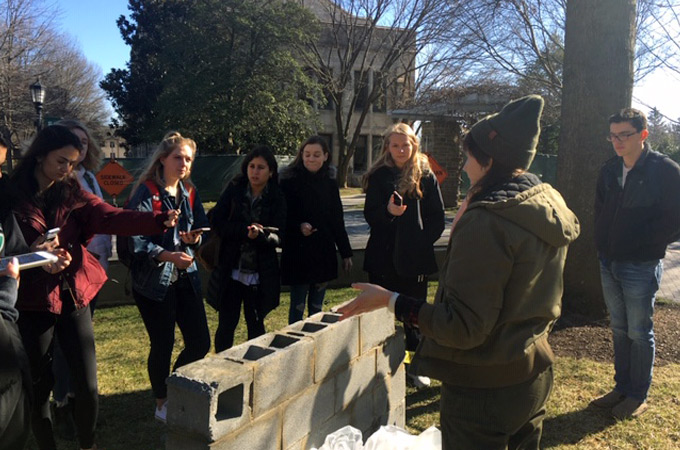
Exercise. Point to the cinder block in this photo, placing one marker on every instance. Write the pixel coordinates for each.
(336, 343)
(180, 440)
(209, 397)
(392, 353)
(362, 412)
(357, 378)
(396, 385)
(397, 415)
(318, 435)
(263, 433)
(307, 411)
(375, 327)
(282, 367)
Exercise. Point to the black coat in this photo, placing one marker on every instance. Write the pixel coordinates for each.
(231, 218)
(404, 245)
(315, 199)
(638, 221)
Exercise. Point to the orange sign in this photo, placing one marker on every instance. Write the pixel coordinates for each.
(438, 170)
(113, 178)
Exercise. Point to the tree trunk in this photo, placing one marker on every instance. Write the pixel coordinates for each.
(598, 81)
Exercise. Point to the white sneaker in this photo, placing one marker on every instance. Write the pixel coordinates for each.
(162, 413)
(419, 381)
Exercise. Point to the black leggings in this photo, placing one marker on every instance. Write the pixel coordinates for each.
(232, 295)
(411, 287)
(182, 306)
(74, 329)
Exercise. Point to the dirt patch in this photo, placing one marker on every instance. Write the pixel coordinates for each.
(594, 341)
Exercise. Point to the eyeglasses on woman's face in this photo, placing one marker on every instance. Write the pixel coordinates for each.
(621, 137)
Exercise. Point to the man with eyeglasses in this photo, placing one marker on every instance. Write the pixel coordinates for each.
(637, 214)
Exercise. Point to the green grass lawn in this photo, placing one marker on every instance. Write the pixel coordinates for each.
(126, 403)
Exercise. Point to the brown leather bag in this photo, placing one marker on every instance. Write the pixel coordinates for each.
(209, 252)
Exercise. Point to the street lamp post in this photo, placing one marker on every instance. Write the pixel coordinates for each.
(38, 97)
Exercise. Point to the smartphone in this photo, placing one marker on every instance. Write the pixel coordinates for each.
(51, 234)
(398, 200)
(203, 229)
(29, 260)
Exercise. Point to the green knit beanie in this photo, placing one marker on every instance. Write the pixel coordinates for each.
(510, 136)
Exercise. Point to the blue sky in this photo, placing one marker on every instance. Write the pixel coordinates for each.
(93, 24)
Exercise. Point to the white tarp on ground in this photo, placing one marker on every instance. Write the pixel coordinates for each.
(386, 438)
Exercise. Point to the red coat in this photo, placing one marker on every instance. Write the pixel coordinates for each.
(79, 218)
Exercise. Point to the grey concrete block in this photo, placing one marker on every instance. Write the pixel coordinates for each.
(358, 378)
(397, 386)
(392, 354)
(318, 435)
(362, 412)
(336, 343)
(263, 433)
(282, 367)
(180, 440)
(375, 327)
(312, 408)
(209, 397)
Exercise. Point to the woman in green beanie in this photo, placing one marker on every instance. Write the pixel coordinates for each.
(486, 334)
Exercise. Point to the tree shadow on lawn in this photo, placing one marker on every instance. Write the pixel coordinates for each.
(566, 429)
(126, 421)
(572, 427)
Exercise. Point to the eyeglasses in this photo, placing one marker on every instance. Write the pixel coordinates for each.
(621, 137)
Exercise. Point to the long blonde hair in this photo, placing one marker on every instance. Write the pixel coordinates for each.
(413, 170)
(154, 169)
(94, 154)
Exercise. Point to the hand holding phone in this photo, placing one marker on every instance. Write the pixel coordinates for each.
(396, 205)
(51, 234)
(398, 199)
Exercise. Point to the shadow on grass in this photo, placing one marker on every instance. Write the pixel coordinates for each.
(422, 408)
(126, 421)
(572, 427)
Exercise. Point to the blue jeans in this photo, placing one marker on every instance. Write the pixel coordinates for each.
(629, 290)
(299, 297)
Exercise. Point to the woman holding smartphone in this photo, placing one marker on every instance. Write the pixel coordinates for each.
(165, 281)
(249, 217)
(405, 211)
(46, 195)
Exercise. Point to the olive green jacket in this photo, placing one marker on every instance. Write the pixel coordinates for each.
(500, 291)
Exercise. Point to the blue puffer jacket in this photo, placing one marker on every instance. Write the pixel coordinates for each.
(151, 277)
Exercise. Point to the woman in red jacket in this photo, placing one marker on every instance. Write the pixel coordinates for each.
(47, 195)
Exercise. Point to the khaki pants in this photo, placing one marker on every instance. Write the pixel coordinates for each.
(495, 419)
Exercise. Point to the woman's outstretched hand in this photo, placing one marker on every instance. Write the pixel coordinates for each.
(372, 297)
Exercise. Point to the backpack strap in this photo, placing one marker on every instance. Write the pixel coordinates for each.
(156, 204)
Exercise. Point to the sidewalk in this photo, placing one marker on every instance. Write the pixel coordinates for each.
(670, 281)
(358, 230)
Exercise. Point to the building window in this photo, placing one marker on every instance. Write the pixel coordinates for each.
(360, 155)
(360, 89)
(380, 83)
(377, 147)
(112, 144)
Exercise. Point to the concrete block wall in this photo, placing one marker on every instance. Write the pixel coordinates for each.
(289, 389)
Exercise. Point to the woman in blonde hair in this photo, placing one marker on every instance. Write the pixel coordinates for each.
(165, 281)
(405, 211)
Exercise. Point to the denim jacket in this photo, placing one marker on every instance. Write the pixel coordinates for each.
(151, 277)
